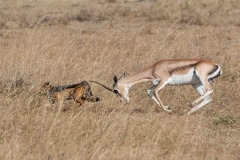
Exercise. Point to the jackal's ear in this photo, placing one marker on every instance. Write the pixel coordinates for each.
(115, 79)
(46, 83)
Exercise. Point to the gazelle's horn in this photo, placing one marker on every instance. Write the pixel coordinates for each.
(123, 75)
(104, 86)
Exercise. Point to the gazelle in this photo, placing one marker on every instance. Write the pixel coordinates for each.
(195, 72)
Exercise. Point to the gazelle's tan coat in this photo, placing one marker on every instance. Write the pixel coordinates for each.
(195, 72)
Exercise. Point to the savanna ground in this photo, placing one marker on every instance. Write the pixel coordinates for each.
(70, 41)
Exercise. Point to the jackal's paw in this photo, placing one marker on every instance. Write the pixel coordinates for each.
(98, 99)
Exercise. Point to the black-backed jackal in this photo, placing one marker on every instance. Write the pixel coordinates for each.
(80, 93)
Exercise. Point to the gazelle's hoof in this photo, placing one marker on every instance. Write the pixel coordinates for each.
(190, 112)
(191, 105)
(168, 109)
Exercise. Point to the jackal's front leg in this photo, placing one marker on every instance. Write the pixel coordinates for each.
(80, 101)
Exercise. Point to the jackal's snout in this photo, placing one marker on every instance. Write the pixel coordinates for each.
(97, 99)
(93, 99)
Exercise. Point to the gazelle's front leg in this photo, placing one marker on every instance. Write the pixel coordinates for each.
(156, 90)
(151, 95)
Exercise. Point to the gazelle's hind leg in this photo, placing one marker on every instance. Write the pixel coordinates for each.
(201, 90)
(207, 88)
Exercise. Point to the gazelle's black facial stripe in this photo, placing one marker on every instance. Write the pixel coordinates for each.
(116, 92)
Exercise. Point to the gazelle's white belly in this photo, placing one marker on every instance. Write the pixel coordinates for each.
(189, 78)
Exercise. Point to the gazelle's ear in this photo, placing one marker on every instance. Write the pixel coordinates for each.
(123, 76)
(115, 79)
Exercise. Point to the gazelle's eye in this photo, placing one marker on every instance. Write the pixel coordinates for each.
(115, 91)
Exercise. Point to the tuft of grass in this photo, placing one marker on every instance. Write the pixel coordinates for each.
(224, 120)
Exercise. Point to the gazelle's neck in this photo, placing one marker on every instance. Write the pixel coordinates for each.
(142, 76)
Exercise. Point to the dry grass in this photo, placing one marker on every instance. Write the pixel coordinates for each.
(69, 41)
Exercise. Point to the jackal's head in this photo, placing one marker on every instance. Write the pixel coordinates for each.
(88, 96)
(45, 88)
(93, 99)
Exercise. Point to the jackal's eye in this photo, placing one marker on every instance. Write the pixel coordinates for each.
(115, 91)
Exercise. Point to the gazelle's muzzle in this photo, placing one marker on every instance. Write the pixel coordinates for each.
(124, 101)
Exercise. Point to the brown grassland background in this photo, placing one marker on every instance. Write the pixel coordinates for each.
(68, 41)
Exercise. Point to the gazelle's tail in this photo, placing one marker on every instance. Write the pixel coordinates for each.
(215, 73)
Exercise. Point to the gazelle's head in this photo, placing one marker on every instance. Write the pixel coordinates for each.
(121, 89)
